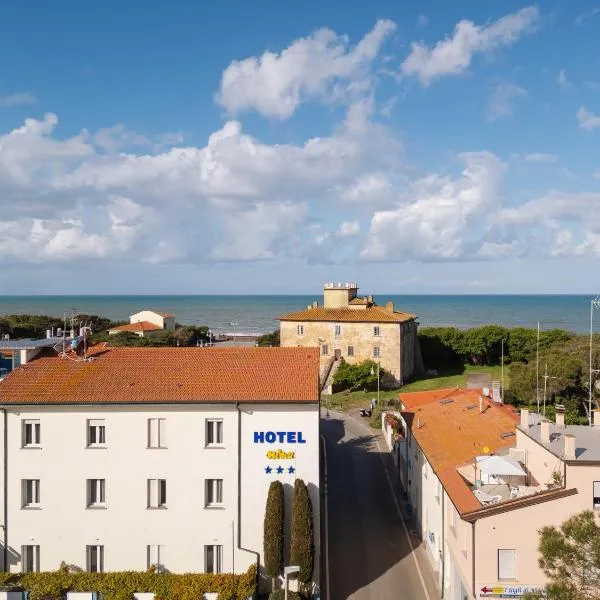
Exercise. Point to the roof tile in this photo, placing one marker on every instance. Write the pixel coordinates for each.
(152, 375)
(371, 314)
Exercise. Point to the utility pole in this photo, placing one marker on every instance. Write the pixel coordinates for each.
(502, 372)
(537, 370)
(595, 303)
(546, 377)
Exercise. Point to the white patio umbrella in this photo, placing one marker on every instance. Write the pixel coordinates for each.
(499, 465)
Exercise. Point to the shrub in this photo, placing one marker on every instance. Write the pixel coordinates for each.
(358, 376)
(280, 595)
(302, 552)
(273, 530)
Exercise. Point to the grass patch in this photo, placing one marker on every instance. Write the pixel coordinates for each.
(346, 401)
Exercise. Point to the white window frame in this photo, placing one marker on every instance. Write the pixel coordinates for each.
(35, 433)
(376, 330)
(213, 490)
(157, 433)
(214, 429)
(596, 495)
(96, 433)
(376, 352)
(217, 558)
(507, 558)
(94, 554)
(96, 493)
(155, 555)
(30, 554)
(30, 493)
(300, 329)
(157, 493)
(337, 330)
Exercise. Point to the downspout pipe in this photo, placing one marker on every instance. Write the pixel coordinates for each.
(473, 555)
(239, 496)
(443, 551)
(5, 485)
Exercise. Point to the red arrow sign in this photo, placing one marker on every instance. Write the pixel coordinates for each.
(486, 589)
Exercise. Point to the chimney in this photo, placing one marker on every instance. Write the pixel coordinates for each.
(596, 417)
(569, 446)
(545, 432)
(389, 306)
(524, 418)
(480, 404)
(560, 416)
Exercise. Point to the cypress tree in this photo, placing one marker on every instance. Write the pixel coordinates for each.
(273, 530)
(302, 552)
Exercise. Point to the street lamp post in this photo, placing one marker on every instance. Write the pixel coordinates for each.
(373, 373)
(287, 571)
(593, 304)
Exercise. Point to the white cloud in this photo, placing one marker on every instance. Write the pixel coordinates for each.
(541, 158)
(587, 120)
(436, 219)
(454, 54)
(562, 80)
(348, 229)
(370, 187)
(17, 99)
(580, 19)
(501, 101)
(312, 67)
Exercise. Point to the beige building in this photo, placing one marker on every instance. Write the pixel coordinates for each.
(354, 328)
(481, 484)
(145, 322)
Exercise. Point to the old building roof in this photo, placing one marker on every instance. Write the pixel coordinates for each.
(137, 327)
(167, 375)
(371, 314)
(451, 431)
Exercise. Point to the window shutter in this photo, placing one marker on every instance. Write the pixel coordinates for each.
(507, 564)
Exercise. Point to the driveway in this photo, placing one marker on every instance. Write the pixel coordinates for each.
(370, 554)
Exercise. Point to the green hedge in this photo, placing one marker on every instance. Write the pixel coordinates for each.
(121, 585)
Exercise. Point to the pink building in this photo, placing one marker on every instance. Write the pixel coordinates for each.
(481, 482)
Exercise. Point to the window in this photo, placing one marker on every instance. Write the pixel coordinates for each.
(213, 559)
(95, 559)
(453, 518)
(337, 330)
(157, 493)
(438, 494)
(324, 349)
(96, 433)
(30, 493)
(376, 352)
(214, 432)
(596, 495)
(31, 433)
(350, 350)
(157, 433)
(214, 492)
(155, 555)
(95, 492)
(507, 564)
(300, 329)
(465, 542)
(376, 330)
(30, 559)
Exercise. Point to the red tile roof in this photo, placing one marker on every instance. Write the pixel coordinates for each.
(137, 327)
(454, 433)
(372, 314)
(166, 375)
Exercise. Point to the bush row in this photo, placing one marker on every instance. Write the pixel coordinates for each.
(122, 585)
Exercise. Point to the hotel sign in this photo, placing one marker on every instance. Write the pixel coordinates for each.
(279, 437)
(510, 591)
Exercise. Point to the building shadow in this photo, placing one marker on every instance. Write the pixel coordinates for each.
(367, 535)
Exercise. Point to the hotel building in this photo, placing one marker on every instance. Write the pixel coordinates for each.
(481, 481)
(135, 457)
(356, 329)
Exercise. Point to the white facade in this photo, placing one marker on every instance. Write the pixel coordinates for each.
(63, 525)
(160, 319)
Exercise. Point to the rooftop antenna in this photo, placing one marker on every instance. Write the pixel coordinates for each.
(502, 371)
(546, 377)
(595, 303)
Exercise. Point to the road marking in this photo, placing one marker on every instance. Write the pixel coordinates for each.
(325, 496)
(387, 476)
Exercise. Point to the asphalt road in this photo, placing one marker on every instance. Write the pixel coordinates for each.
(370, 555)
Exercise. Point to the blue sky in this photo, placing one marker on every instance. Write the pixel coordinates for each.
(427, 147)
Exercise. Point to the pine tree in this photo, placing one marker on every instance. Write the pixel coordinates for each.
(273, 530)
(302, 543)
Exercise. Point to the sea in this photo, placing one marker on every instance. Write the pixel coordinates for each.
(254, 315)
